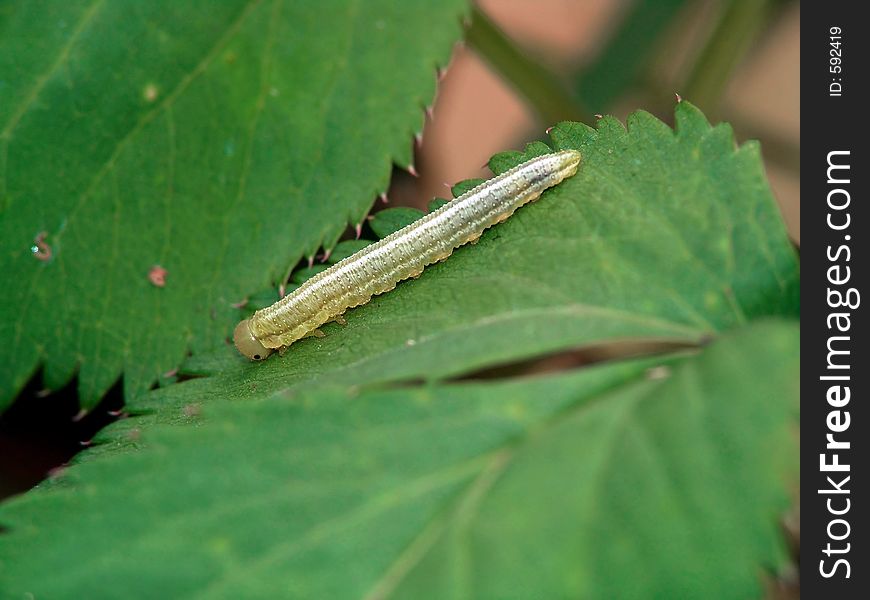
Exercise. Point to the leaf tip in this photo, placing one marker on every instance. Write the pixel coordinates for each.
(688, 119)
(571, 134)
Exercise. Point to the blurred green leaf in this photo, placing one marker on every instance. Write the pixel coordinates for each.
(639, 479)
(219, 141)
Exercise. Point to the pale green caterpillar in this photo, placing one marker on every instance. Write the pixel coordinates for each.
(379, 267)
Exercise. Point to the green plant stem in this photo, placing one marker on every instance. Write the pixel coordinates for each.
(540, 88)
(626, 53)
(737, 29)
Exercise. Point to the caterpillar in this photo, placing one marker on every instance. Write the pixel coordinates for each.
(377, 268)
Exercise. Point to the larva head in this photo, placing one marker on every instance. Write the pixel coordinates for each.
(247, 344)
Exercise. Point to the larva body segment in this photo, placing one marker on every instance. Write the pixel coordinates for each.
(377, 268)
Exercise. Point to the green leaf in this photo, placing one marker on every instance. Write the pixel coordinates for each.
(436, 203)
(614, 481)
(218, 140)
(347, 248)
(503, 161)
(261, 299)
(390, 220)
(464, 186)
(301, 275)
(660, 235)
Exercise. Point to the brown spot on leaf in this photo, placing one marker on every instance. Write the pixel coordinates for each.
(40, 249)
(157, 276)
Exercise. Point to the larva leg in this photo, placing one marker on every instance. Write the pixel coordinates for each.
(444, 257)
(504, 217)
(337, 319)
(314, 333)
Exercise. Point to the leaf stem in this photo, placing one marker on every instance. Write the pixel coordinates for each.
(544, 92)
(734, 34)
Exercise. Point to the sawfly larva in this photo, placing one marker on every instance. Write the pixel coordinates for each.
(377, 268)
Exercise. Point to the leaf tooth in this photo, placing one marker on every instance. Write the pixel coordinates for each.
(537, 148)
(719, 140)
(647, 124)
(505, 161)
(570, 134)
(610, 125)
(689, 121)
